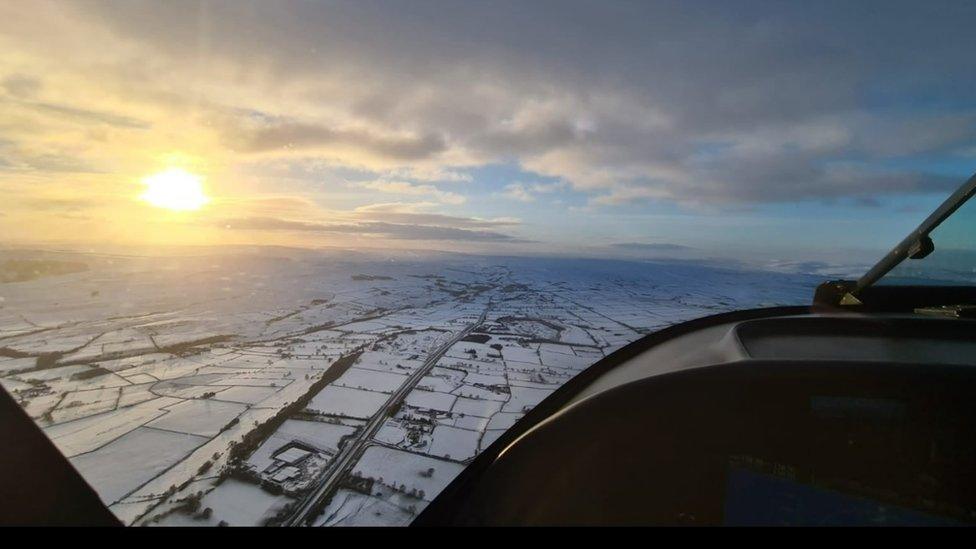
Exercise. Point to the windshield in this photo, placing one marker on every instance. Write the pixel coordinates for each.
(299, 263)
(954, 258)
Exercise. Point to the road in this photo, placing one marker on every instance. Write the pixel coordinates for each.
(351, 452)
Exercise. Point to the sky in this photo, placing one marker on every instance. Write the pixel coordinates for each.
(774, 130)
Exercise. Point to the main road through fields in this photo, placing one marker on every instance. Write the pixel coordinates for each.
(351, 452)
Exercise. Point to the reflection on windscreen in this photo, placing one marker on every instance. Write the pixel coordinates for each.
(954, 258)
(299, 387)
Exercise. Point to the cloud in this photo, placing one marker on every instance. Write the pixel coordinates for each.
(281, 205)
(739, 104)
(397, 231)
(55, 163)
(786, 176)
(90, 116)
(408, 214)
(20, 86)
(656, 250)
(727, 107)
(70, 204)
(527, 192)
(406, 188)
(517, 191)
(650, 247)
(302, 136)
(432, 174)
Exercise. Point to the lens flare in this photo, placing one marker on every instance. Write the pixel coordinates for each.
(174, 189)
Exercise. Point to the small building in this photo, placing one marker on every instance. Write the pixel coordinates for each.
(286, 473)
(293, 456)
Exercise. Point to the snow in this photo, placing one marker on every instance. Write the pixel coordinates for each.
(199, 417)
(439, 382)
(349, 508)
(286, 473)
(559, 356)
(391, 433)
(77, 404)
(286, 317)
(134, 394)
(10, 366)
(473, 407)
(489, 438)
(503, 420)
(85, 435)
(574, 335)
(473, 423)
(524, 398)
(140, 378)
(453, 443)
(120, 467)
(431, 401)
(342, 401)
(293, 455)
(485, 379)
(384, 361)
(473, 392)
(253, 381)
(324, 436)
(235, 502)
(383, 382)
(245, 395)
(520, 354)
(397, 468)
(193, 387)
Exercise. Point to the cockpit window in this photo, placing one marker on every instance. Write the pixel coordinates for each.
(953, 260)
(300, 263)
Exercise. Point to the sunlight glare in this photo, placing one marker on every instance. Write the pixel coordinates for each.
(174, 189)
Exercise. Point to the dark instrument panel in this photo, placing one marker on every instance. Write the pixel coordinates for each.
(835, 435)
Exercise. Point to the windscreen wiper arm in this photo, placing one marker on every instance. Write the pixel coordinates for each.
(917, 244)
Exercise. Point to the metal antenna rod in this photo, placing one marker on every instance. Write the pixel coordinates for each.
(918, 244)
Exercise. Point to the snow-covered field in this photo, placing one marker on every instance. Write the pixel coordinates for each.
(144, 452)
(245, 381)
(233, 502)
(425, 476)
(337, 400)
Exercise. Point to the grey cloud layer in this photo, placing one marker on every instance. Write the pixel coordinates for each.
(298, 136)
(442, 220)
(709, 102)
(401, 231)
(650, 247)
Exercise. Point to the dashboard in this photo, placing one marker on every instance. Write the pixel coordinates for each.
(754, 419)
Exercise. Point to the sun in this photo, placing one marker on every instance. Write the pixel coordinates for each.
(174, 189)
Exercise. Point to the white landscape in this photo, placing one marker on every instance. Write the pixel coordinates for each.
(278, 386)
